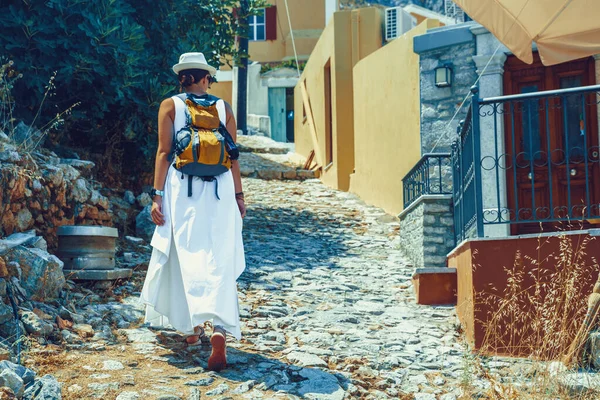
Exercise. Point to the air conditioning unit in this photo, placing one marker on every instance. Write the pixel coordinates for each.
(397, 22)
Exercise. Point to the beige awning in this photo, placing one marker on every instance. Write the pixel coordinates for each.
(563, 30)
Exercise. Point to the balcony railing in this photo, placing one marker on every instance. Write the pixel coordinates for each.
(528, 161)
(431, 175)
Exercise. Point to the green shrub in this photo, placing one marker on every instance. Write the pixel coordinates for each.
(114, 57)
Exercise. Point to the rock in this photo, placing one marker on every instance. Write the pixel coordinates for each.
(45, 388)
(101, 388)
(201, 382)
(578, 383)
(6, 313)
(27, 137)
(222, 388)
(129, 197)
(63, 323)
(100, 376)
(42, 276)
(17, 239)
(594, 341)
(5, 354)
(74, 388)
(79, 191)
(84, 330)
(70, 173)
(134, 240)
(9, 331)
(12, 157)
(112, 365)
(98, 200)
(25, 374)
(24, 219)
(35, 325)
(53, 175)
(425, 396)
(319, 385)
(144, 227)
(144, 200)
(129, 380)
(168, 397)
(306, 359)
(194, 394)
(244, 387)
(128, 396)
(448, 396)
(10, 379)
(3, 272)
(82, 165)
(40, 243)
(140, 335)
(69, 337)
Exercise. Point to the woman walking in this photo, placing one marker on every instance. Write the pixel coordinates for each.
(198, 252)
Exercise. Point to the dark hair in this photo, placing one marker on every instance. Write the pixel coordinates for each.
(185, 76)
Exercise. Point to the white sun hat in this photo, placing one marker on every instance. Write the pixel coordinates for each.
(193, 61)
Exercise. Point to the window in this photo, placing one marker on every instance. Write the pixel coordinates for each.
(257, 26)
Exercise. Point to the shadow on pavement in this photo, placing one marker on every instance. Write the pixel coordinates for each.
(253, 370)
(285, 239)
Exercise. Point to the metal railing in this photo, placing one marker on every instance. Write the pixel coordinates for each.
(430, 175)
(466, 197)
(528, 159)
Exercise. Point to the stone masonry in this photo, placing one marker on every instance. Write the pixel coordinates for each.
(427, 231)
(438, 105)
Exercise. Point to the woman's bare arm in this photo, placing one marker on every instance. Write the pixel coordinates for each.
(166, 116)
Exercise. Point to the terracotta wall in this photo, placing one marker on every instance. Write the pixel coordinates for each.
(387, 143)
(485, 267)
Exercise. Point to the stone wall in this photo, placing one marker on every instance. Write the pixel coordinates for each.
(438, 105)
(41, 191)
(427, 231)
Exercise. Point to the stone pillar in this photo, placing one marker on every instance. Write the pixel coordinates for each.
(490, 68)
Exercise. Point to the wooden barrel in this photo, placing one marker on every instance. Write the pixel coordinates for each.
(87, 247)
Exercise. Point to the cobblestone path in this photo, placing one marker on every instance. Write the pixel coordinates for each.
(327, 308)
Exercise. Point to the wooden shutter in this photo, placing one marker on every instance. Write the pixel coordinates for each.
(271, 23)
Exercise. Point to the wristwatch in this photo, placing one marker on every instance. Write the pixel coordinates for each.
(156, 192)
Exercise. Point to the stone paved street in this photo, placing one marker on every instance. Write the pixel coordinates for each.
(327, 308)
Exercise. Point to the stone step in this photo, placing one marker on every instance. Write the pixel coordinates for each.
(262, 145)
(435, 285)
(279, 174)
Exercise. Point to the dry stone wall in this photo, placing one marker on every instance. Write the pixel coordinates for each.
(42, 191)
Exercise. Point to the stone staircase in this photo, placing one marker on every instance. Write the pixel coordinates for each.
(264, 158)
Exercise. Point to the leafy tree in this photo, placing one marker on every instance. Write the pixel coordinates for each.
(114, 57)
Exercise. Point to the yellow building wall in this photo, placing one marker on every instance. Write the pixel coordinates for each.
(387, 140)
(222, 90)
(308, 22)
(420, 18)
(350, 36)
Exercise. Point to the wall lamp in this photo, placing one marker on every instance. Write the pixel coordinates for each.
(443, 76)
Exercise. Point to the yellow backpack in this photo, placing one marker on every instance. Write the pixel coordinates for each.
(203, 147)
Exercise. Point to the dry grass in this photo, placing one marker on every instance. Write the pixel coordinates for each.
(536, 315)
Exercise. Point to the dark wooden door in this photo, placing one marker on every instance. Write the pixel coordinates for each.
(547, 142)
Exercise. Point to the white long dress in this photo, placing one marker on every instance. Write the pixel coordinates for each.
(198, 253)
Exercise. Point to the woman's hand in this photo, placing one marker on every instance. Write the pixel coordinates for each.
(156, 213)
(241, 205)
